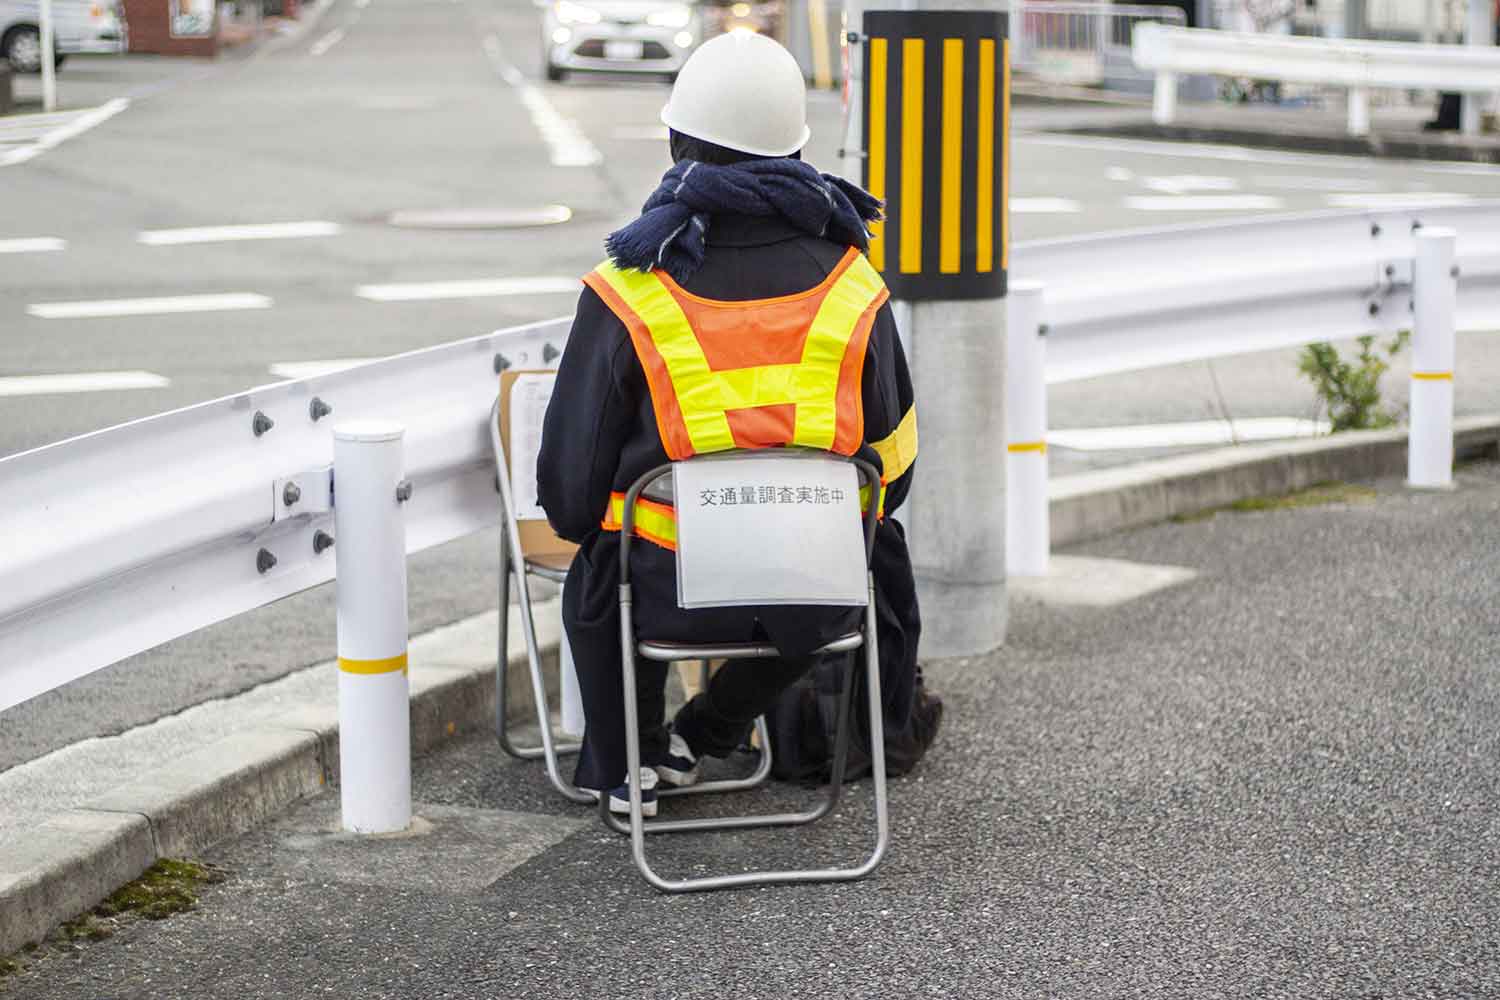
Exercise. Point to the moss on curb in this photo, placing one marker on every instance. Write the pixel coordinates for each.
(1316, 495)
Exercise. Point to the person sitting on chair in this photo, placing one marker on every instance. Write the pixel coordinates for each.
(743, 255)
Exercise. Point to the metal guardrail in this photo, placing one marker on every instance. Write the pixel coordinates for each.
(122, 539)
(1066, 41)
(1358, 66)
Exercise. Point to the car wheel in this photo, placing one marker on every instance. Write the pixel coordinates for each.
(555, 73)
(23, 49)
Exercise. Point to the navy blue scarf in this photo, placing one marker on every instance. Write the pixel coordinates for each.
(672, 231)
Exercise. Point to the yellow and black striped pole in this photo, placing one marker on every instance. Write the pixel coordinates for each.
(937, 143)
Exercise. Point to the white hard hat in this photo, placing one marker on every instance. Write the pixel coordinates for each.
(742, 91)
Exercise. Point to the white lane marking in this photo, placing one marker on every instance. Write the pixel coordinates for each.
(224, 234)
(1400, 199)
(327, 42)
(57, 129)
(312, 369)
(567, 145)
(45, 385)
(1044, 206)
(1186, 183)
(1117, 173)
(1197, 432)
(149, 307)
(361, 4)
(1309, 182)
(479, 288)
(1191, 150)
(33, 244)
(1202, 202)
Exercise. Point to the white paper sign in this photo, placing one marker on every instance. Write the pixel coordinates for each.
(528, 408)
(763, 530)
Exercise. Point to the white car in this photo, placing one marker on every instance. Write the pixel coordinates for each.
(618, 36)
(78, 26)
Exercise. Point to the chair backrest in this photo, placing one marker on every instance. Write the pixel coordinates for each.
(517, 435)
(774, 526)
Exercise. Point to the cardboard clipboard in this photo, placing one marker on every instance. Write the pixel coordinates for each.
(539, 543)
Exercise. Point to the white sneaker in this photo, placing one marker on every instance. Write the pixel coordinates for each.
(619, 796)
(679, 768)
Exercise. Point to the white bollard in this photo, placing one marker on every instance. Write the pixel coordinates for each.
(47, 38)
(1164, 98)
(374, 693)
(1429, 453)
(1359, 111)
(1027, 525)
(572, 700)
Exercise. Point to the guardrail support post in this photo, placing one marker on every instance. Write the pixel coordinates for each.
(1429, 454)
(374, 694)
(1164, 98)
(1359, 111)
(1027, 527)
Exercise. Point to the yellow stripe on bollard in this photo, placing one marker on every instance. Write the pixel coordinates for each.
(912, 53)
(878, 50)
(952, 160)
(1038, 446)
(1433, 376)
(984, 195)
(389, 665)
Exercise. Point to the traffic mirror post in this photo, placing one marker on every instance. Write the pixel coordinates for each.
(374, 690)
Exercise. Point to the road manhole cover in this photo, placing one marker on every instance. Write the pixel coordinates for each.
(480, 218)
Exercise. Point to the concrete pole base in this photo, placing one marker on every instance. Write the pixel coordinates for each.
(961, 619)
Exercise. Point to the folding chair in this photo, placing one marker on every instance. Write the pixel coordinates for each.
(531, 549)
(533, 552)
(668, 652)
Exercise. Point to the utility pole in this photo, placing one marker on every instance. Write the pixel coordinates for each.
(49, 62)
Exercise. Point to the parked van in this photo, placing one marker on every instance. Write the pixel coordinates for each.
(78, 26)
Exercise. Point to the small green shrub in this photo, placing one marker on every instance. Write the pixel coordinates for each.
(1350, 389)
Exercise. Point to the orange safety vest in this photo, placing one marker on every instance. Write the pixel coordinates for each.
(757, 374)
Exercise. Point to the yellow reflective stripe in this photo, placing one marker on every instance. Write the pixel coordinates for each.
(1433, 376)
(864, 499)
(652, 522)
(952, 154)
(912, 52)
(898, 449)
(984, 193)
(878, 47)
(1005, 160)
(692, 379)
(389, 665)
(1040, 446)
(823, 353)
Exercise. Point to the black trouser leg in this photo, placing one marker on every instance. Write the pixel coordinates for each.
(717, 721)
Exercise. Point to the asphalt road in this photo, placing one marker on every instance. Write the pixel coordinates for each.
(1277, 781)
(401, 105)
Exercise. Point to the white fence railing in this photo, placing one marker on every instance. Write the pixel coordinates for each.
(1358, 66)
(122, 539)
(1066, 41)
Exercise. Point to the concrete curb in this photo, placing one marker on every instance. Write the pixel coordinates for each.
(1443, 146)
(79, 856)
(1093, 504)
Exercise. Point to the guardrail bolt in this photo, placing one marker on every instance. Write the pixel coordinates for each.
(549, 352)
(291, 494)
(1042, 329)
(1374, 229)
(264, 560)
(1416, 224)
(403, 491)
(317, 409)
(501, 363)
(322, 542)
(1390, 270)
(1453, 271)
(260, 423)
(1374, 308)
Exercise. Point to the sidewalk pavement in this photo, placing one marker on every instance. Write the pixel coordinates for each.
(1277, 780)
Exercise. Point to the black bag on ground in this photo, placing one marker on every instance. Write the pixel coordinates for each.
(804, 721)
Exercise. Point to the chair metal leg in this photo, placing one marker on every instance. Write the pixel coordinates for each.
(877, 762)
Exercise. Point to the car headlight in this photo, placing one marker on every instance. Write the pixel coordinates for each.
(576, 13)
(670, 17)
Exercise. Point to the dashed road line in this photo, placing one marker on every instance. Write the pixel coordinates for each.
(1400, 199)
(46, 385)
(33, 244)
(102, 308)
(1188, 183)
(224, 234)
(49, 131)
(480, 288)
(1202, 202)
(567, 145)
(1045, 206)
(312, 369)
(327, 42)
